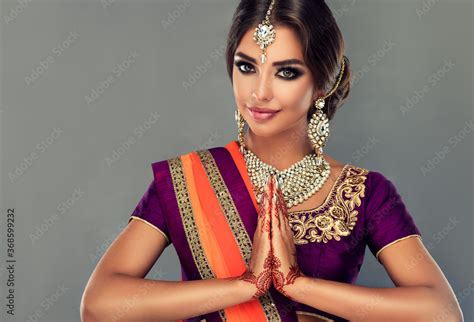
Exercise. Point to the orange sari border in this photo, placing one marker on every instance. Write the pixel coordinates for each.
(218, 242)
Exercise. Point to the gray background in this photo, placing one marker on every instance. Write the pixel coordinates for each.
(89, 161)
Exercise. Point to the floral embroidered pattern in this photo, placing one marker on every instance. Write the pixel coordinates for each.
(338, 216)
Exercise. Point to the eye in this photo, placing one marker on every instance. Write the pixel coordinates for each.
(243, 67)
(285, 73)
(289, 73)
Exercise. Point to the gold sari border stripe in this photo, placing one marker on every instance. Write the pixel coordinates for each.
(229, 210)
(235, 222)
(178, 171)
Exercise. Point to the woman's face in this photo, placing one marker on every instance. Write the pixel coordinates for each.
(284, 86)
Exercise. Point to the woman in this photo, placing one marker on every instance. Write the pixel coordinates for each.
(268, 227)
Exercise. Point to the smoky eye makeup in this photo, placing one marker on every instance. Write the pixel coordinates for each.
(284, 72)
(292, 71)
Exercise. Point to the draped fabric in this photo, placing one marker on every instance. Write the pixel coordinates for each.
(202, 203)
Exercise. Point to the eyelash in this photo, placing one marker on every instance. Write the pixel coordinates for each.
(296, 73)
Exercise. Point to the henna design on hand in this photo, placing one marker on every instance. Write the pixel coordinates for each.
(278, 276)
(264, 280)
(264, 207)
(280, 203)
(279, 279)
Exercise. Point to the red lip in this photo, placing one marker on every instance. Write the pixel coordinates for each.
(263, 109)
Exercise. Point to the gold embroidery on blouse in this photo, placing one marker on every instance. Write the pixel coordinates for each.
(187, 218)
(235, 222)
(337, 216)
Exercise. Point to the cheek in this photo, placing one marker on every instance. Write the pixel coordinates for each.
(241, 87)
(294, 97)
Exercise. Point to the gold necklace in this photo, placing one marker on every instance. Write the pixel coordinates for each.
(298, 182)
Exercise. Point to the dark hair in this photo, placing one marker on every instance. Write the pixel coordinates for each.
(321, 39)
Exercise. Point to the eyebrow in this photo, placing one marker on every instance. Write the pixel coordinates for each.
(285, 62)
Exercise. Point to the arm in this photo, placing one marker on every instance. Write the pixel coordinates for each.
(117, 290)
(422, 293)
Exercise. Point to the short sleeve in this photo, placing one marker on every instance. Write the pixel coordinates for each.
(149, 211)
(388, 220)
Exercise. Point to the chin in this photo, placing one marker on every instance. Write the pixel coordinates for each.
(264, 130)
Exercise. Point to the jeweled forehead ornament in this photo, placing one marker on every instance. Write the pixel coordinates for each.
(264, 34)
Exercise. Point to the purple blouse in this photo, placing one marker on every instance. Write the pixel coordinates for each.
(362, 209)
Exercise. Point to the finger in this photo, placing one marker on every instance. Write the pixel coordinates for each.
(278, 202)
(281, 218)
(260, 218)
(283, 214)
(262, 205)
(281, 203)
(266, 204)
(268, 213)
(274, 209)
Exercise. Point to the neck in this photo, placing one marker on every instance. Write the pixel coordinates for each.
(281, 150)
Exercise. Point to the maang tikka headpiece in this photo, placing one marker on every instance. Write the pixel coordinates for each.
(264, 33)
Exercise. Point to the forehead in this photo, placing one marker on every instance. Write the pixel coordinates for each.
(286, 45)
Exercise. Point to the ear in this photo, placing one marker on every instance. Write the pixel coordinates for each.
(317, 94)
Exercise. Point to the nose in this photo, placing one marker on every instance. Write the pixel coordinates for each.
(263, 91)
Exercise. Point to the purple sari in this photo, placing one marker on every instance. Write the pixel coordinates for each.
(362, 209)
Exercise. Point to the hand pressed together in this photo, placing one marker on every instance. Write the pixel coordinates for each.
(285, 268)
(273, 260)
(259, 272)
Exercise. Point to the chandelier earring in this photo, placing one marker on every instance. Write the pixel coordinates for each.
(318, 127)
(240, 129)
